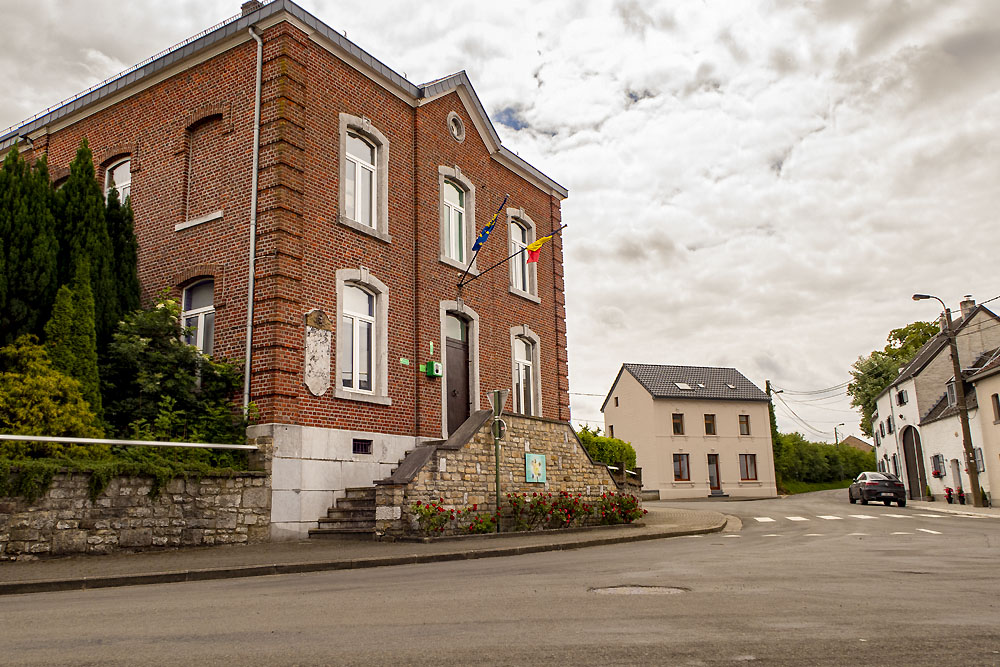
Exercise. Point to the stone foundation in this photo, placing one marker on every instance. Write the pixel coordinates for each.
(209, 511)
(460, 472)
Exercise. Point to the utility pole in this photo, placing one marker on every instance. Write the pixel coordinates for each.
(963, 410)
(836, 437)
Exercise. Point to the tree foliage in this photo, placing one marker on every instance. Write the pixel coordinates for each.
(805, 461)
(71, 340)
(602, 449)
(873, 373)
(125, 249)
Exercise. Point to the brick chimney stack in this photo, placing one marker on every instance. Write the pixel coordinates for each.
(251, 6)
(968, 305)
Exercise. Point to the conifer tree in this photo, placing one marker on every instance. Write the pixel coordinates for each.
(71, 340)
(121, 229)
(83, 238)
(28, 247)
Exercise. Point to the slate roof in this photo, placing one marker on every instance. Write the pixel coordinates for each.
(706, 382)
(942, 410)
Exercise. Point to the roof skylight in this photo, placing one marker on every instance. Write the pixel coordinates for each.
(684, 385)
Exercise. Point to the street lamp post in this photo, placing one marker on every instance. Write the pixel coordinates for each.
(963, 410)
(836, 436)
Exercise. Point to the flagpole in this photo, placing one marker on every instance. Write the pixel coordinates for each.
(476, 254)
(502, 261)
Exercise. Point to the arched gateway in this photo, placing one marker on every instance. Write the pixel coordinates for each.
(913, 456)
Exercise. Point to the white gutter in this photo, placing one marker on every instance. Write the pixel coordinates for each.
(253, 223)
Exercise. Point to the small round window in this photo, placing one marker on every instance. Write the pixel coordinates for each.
(456, 127)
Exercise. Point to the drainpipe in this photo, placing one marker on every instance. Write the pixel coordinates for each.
(253, 222)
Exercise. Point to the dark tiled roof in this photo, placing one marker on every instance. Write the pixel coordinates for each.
(942, 410)
(706, 382)
(990, 368)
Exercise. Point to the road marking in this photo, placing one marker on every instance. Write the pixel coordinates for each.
(933, 516)
(772, 535)
(814, 534)
(857, 534)
(928, 530)
(900, 533)
(763, 519)
(796, 518)
(732, 536)
(830, 517)
(898, 516)
(864, 516)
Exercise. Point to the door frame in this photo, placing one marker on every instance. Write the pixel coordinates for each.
(718, 477)
(915, 488)
(472, 317)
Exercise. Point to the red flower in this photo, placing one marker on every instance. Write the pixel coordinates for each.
(475, 507)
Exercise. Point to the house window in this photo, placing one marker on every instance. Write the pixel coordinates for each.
(524, 353)
(681, 471)
(119, 176)
(744, 424)
(611, 430)
(952, 396)
(881, 429)
(361, 185)
(980, 463)
(878, 441)
(198, 315)
(889, 423)
(678, 422)
(207, 170)
(895, 465)
(616, 400)
(748, 467)
(356, 339)
(364, 159)
(995, 399)
(523, 276)
(710, 425)
(454, 226)
(361, 337)
(937, 465)
(901, 397)
(360, 446)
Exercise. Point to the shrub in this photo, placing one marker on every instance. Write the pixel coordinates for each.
(616, 508)
(610, 451)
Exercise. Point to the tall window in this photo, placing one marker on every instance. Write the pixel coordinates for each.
(360, 188)
(681, 471)
(709, 424)
(119, 176)
(744, 424)
(198, 315)
(996, 407)
(678, 422)
(980, 463)
(523, 376)
(454, 214)
(356, 339)
(519, 263)
(748, 466)
(895, 465)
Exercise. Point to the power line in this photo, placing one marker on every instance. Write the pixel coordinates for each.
(842, 385)
(580, 393)
(801, 421)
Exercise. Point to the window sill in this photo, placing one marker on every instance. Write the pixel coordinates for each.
(458, 265)
(339, 392)
(682, 483)
(524, 295)
(365, 229)
(751, 482)
(194, 222)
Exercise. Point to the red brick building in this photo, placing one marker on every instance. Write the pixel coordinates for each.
(354, 211)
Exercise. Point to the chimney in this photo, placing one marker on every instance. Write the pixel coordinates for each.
(943, 323)
(251, 6)
(968, 305)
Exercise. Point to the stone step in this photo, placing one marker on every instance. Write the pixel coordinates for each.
(342, 533)
(339, 512)
(355, 503)
(360, 492)
(348, 524)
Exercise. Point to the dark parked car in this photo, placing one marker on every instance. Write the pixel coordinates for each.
(876, 486)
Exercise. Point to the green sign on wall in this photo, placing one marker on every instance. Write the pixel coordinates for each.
(534, 468)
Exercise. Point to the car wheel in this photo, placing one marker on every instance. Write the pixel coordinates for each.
(864, 501)
(851, 498)
(886, 502)
(901, 503)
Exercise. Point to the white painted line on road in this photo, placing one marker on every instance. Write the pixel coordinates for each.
(772, 535)
(763, 519)
(796, 518)
(928, 530)
(932, 516)
(900, 533)
(736, 536)
(898, 516)
(814, 534)
(830, 517)
(864, 516)
(857, 534)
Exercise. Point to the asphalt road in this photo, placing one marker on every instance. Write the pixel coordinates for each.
(898, 588)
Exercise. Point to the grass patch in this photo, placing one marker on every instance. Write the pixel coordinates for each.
(792, 486)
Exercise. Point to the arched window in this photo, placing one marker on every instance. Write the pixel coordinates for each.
(361, 186)
(356, 339)
(119, 176)
(519, 278)
(198, 315)
(454, 217)
(524, 390)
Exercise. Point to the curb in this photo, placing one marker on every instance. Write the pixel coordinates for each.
(86, 583)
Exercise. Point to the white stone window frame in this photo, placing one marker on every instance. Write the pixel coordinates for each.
(471, 317)
(199, 314)
(124, 189)
(455, 175)
(456, 126)
(379, 394)
(363, 127)
(525, 332)
(519, 217)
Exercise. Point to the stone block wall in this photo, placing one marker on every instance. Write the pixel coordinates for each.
(461, 471)
(209, 511)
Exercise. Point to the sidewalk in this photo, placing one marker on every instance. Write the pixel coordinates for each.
(955, 508)
(228, 562)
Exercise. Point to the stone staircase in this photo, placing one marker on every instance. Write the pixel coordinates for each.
(352, 516)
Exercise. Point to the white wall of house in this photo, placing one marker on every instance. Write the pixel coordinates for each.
(889, 444)
(989, 431)
(944, 437)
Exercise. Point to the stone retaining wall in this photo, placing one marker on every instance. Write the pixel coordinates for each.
(461, 471)
(212, 510)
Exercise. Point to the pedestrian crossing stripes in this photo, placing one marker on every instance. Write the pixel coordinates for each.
(834, 517)
(928, 530)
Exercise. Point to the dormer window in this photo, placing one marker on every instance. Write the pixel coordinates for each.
(952, 395)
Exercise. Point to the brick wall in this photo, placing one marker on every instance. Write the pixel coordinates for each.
(459, 478)
(209, 511)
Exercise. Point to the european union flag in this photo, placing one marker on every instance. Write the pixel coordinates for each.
(485, 231)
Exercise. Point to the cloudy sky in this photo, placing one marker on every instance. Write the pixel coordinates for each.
(757, 184)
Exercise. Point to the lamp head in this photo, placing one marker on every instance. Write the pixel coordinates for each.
(921, 297)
